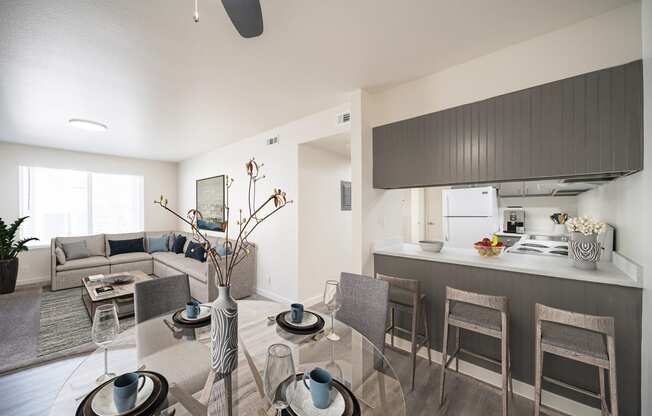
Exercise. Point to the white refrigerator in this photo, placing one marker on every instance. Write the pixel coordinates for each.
(469, 215)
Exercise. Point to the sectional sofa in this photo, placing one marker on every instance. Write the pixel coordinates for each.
(201, 275)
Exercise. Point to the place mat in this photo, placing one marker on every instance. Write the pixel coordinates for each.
(158, 396)
(288, 327)
(348, 406)
(178, 319)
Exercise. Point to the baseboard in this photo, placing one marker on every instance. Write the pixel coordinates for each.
(312, 301)
(548, 399)
(273, 296)
(34, 281)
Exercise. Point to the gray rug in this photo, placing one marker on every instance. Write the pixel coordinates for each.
(65, 324)
(38, 325)
(19, 326)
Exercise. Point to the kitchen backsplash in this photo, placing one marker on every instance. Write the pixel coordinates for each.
(539, 209)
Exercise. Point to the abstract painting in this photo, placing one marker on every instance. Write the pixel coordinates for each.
(210, 202)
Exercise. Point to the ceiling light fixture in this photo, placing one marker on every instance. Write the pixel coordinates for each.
(87, 124)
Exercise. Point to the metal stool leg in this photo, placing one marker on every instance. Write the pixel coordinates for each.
(457, 348)
(393, 322)
(504, 347)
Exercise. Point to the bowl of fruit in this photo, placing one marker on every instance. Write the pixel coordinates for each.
(489, 247)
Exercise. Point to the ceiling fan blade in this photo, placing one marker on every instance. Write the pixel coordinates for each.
(246, 16)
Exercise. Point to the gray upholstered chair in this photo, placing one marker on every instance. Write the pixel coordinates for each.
(364, 307)
(157, 296)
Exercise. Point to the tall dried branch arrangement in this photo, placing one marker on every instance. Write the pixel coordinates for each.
(234, 250)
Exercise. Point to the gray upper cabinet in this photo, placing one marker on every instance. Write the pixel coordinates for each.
(585, 125)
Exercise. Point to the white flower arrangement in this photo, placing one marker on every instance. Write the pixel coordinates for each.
(585, 225)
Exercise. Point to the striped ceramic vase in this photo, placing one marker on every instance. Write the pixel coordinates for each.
(584, 251)
(224, 332)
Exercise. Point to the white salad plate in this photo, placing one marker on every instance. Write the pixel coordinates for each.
(309, 319)
(204, 312)
(302, 403)
(103, 404)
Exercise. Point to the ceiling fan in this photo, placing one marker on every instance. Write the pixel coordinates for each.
(245, 15)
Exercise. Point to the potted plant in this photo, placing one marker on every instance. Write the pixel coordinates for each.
(584, 250)
(9, 249)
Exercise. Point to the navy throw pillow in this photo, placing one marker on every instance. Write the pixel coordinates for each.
(196, 251)
(126, 246)
(179, 242)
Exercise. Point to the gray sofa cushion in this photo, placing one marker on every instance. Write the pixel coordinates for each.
(191, 267)
(95, 243)
(76, 250)
(61, 257)
(119, 237)
(88, 262)
(129, 258)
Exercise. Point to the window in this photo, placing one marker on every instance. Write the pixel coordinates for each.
(63, 202)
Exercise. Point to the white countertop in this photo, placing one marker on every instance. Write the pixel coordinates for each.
(606, 273)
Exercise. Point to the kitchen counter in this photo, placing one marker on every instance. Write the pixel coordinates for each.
(606, 273)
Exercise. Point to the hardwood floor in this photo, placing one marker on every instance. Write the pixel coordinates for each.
(30, 392)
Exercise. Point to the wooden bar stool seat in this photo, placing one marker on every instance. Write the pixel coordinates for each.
(483, 314)
(579, 337)
(406, 294)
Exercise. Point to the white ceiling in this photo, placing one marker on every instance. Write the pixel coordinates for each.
(169, 88)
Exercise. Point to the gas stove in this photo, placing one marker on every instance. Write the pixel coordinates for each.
(541, 245)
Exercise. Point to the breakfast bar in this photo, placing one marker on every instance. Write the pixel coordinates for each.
(525, 281)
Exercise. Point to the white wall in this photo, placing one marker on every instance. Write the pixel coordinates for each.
(277, 259)
(538, 210)
(159, 178)
(324, 229)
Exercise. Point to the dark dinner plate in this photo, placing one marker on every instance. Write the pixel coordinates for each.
(159, 396)
(293, 329)
(351, 405)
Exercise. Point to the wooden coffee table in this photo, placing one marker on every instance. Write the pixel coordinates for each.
(122, 295)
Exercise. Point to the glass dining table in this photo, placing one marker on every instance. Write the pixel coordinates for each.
(182, 356)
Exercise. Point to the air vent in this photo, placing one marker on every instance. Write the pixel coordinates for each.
(343, 118)
(272, 140)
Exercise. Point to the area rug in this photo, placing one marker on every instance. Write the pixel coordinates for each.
(65, 324)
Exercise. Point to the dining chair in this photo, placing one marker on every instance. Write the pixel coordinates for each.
(364, 308)
(406, 295)
(585, 338)
(157, 296)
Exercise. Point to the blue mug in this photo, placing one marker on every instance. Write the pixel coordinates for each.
(297, 312)
(125, 390)
(192, 309)
(320, 387)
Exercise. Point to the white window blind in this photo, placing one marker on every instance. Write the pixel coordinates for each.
(63, 202)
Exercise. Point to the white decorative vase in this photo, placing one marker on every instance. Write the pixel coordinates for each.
(584, 251)
(224, 332)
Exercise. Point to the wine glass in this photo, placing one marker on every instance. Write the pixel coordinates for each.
(105, 329)
(279, 370)
(333, 302)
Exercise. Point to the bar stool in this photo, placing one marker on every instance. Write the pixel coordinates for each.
(405, 294)
(483, 314)
(584, 338)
